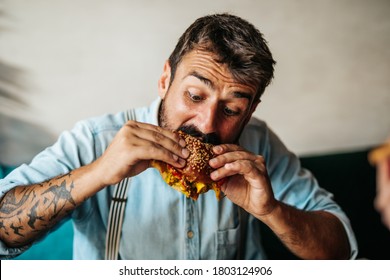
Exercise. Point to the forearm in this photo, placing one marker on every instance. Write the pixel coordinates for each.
(309, 234)
(26, 212)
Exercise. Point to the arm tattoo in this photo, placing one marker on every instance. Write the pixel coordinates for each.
(9, 204)
(60, 193)
(27, 211)
(33, 217)
(16, 229)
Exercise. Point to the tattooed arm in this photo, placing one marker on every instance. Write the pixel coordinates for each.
(26, 212)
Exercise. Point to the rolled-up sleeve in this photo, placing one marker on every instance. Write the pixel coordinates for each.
(73, 149)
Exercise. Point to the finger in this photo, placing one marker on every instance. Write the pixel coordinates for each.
(228, 157)
(224, 148)
(147, 150)
(158, 131)
(251, 170)
(230, 169)
(160, 137)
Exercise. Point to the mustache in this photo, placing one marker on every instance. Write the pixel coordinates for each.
(211, 138)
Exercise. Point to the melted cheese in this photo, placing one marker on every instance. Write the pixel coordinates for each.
(189, 189)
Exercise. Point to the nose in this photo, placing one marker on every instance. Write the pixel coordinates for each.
(208, 119)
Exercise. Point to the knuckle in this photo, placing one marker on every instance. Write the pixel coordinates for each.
(157, 136)
(129, 127)
(260, 159)
(221, 148)
(159, 129)
(177, 137)
(248, 165)
(243, 154)
(177, 147)
(131, 123)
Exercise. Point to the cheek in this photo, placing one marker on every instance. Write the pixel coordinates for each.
(178, 111)
(229, 131)
(181, 106)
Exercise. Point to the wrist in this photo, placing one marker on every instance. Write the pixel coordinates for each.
(269, 212)
(92, 178)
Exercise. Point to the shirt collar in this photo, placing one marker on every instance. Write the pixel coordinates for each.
(154, 109)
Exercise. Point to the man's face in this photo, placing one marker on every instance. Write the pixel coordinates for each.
(205, 97)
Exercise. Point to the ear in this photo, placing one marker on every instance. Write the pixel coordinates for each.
(163, 82)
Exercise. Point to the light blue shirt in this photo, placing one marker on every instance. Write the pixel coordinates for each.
(160, 222)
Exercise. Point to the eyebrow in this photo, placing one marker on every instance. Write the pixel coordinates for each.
(204, 80)
(210, 84)
(239, 94)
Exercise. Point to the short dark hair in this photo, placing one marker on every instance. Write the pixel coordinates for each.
(235, 41)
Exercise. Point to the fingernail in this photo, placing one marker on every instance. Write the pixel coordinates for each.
(213, 161)
(217, 149)
(182, 143)
(181, 161)
(185, 152)
(175, 157)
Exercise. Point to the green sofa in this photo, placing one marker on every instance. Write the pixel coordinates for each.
(347, 175)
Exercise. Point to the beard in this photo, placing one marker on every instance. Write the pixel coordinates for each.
(162, 116)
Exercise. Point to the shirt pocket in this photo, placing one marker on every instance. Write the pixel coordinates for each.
(227, 242)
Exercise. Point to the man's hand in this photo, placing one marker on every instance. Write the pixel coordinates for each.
(248, 184)
(133, 148)
(308, 234)
(382, 200)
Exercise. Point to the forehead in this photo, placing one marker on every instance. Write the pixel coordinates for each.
(207, 64)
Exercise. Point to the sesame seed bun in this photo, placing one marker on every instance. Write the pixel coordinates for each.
(194, 178)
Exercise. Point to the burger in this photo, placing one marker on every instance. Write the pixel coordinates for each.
(194, 178)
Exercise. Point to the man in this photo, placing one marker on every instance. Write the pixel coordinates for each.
(211, 85)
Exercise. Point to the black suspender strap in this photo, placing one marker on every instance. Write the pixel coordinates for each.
(117, 211)
(243, 218)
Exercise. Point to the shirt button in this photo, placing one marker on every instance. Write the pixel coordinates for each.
(190, 234)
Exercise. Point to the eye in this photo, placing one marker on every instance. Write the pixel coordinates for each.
(194, 97)
(229, 112)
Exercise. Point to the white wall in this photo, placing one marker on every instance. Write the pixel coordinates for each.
(83, 58)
